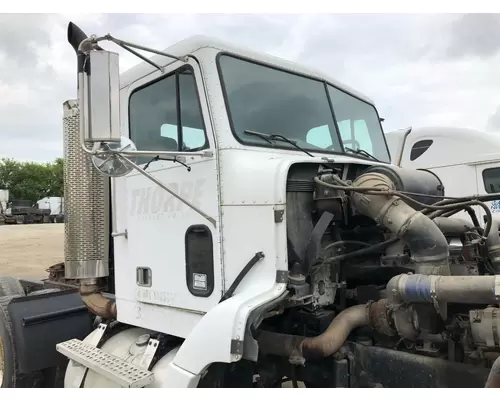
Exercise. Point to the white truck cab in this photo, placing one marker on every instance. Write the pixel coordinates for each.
(234, 220)
(217, 129)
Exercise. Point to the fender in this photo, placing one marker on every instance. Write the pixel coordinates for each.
(218, 337)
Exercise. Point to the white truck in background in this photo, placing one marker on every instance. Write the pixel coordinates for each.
(465, 160)
(4, 200)
(56, 207)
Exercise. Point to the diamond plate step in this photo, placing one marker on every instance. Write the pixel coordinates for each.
(119, 371)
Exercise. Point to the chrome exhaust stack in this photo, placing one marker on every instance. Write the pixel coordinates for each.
(87, 199)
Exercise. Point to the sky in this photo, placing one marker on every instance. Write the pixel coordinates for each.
(420, 69)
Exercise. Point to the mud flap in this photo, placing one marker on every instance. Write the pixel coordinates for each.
(40, 322)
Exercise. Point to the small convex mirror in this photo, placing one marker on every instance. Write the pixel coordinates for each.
(113, 165)
(102, 81)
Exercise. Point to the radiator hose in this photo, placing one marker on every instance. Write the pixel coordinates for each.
(470, 289)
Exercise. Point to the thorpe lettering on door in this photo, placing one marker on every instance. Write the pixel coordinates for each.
(155, 200)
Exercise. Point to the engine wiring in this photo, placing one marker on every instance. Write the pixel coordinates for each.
(445, 206)
(445, 199)
(450, 204)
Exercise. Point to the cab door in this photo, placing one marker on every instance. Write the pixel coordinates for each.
(170, 256)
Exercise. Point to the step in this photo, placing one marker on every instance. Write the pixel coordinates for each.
(115, 369)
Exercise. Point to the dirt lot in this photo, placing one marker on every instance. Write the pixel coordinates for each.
(28, 250)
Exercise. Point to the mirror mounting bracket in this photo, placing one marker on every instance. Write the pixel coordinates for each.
(90, 44)
(99, 89)
(105, 125)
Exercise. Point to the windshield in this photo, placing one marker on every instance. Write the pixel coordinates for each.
(274, 102)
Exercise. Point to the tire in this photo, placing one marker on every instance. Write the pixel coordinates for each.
(10, 286)
(10, 376)
(43, 291)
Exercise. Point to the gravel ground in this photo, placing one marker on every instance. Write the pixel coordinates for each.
(26, 251)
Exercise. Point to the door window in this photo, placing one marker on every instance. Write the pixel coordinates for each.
(166, 115)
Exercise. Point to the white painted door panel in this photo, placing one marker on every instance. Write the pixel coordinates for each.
(156, 224)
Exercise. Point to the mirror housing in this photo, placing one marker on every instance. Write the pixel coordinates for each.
(100, 97)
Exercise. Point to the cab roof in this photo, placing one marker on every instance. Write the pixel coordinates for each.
(194, 43)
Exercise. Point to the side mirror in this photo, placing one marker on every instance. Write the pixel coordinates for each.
(100, 95)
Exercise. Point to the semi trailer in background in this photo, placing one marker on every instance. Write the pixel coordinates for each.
(25, 212)
(467, 161)
(48, 209)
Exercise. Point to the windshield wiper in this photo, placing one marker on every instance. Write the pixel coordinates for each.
(269, 139)
(362, 152)
(175, 160)
(258, 134)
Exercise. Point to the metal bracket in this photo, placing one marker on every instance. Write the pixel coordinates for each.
(278, 215)
(281, 276)
(117, 234)
(237, 347)
(149, 353)
(81, 370)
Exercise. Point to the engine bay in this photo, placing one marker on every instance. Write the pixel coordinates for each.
(376, 260)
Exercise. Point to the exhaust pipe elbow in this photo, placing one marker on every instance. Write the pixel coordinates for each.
(328, 343)
(428, 245)
(334, 337)
(96, 302)
(75, 36)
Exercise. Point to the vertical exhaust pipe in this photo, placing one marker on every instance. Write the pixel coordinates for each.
(86, 194)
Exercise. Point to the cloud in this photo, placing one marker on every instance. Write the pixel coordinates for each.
(493, 124)
(419, 69)
(474, 35)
